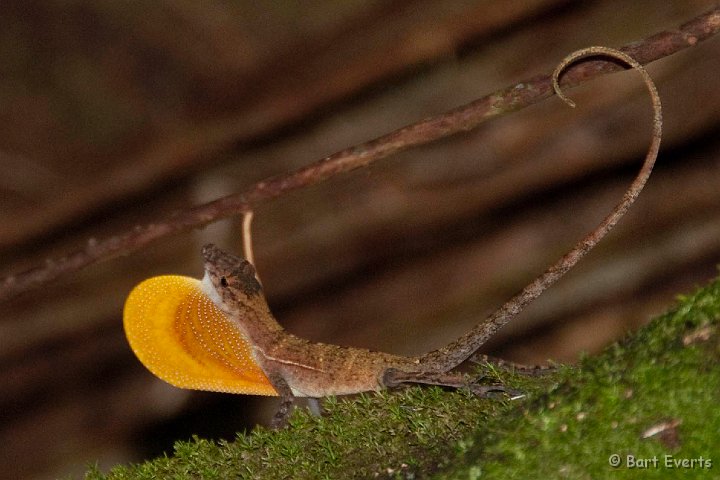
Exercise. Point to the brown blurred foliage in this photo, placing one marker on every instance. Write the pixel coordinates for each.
(117, 114)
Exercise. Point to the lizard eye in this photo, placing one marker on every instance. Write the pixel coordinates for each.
(223, 281)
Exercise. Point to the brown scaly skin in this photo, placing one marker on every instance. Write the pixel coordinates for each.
(297, 367)
(310, 369)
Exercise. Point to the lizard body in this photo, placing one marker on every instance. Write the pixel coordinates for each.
(310, 369)
(219, 334)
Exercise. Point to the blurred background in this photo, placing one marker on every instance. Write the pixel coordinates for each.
(115, 114)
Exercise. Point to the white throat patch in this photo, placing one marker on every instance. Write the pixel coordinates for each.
(209, 289)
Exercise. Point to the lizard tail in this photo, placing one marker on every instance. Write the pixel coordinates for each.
(450, 356)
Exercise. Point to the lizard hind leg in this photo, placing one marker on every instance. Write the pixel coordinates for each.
(490, 362)
(395, 378)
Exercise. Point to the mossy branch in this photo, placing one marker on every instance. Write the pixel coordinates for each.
(651, 395)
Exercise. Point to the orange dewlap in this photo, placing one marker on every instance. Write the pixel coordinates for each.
(179, 334)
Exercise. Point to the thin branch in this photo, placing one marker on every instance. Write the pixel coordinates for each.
(425, 131)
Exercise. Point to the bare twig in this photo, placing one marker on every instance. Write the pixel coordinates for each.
(425, 131)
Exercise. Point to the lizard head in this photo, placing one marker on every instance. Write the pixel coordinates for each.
(189, 332)
(228, 278)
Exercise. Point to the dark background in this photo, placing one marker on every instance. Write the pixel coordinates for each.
(116, 114)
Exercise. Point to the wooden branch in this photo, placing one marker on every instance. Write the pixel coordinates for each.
(425, 131)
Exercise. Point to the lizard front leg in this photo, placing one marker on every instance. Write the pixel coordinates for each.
(287, 398)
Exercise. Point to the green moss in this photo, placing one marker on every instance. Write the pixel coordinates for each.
(666, 373)
(567, 426)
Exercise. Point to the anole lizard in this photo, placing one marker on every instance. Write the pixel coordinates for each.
(218, 333)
